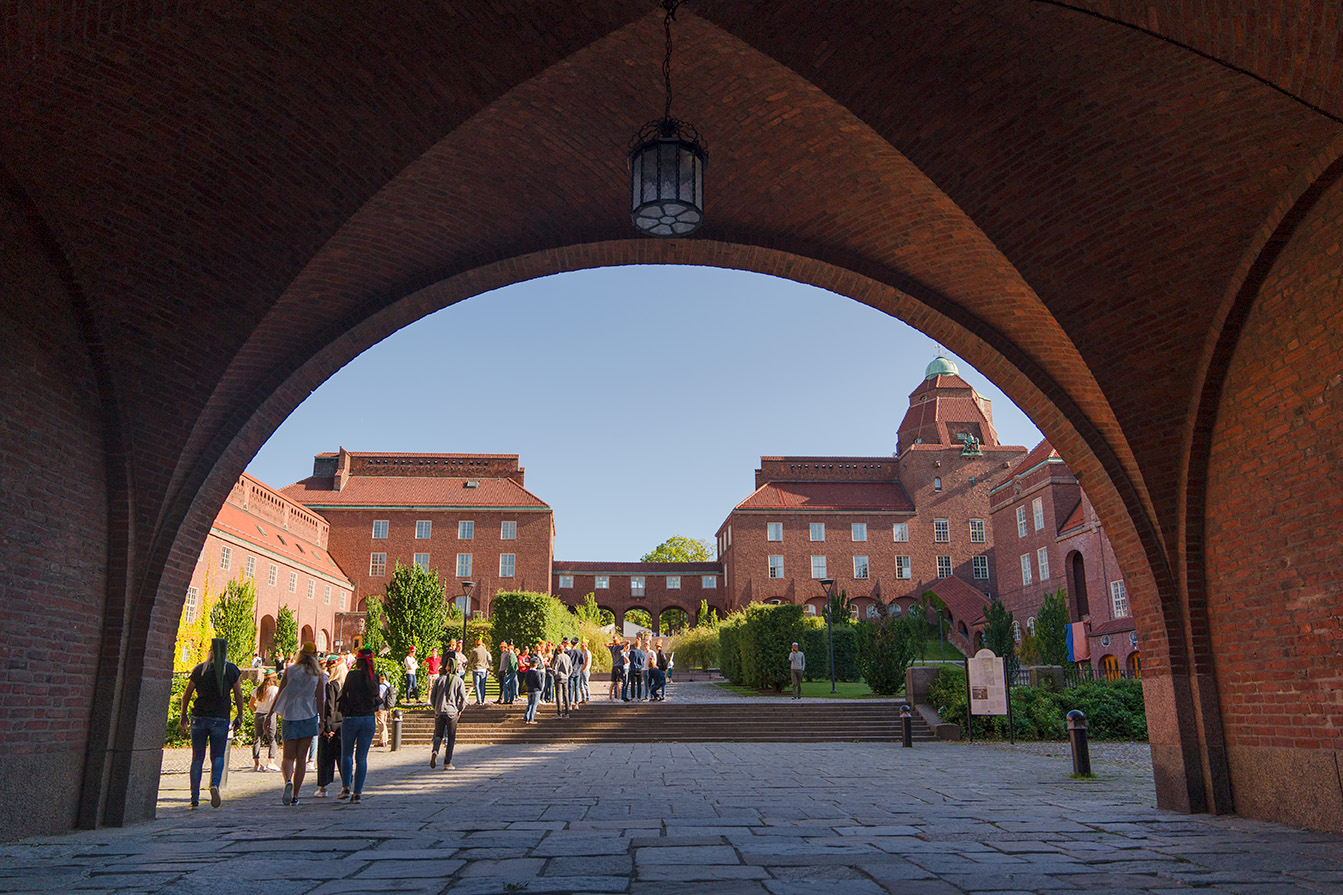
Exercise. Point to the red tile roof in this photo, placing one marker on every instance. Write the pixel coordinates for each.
(829, 496)
(1113, 626)
(965, 602)
(637, 568)
(262, 533)
(1075, 519)
(412, 491)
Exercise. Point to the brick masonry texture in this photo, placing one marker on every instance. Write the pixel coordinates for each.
(202, 224)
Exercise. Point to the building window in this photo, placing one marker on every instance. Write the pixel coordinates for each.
(421, 560)
(776, 567)
(937, 483)
(860, 567)
(225, 557)
(901, 530)
(1118, 599)
(818, 531)
(941, 531)
(1016, 631)
(508, 531)
(1042, 560)
(708, 582)
(774, 531)
(343, 594)
(1025, 568)
(272, 577)
(193, 596)
(466, 530)
(602, 582)
(1038, 510)
(293, 582)
(902, 567)
(424, 529)
(1133, 637)
(379, 529)
(1021, 522)
(1030, 625)
(818, 567)
(377, 565)
(464, 567)
(312, 588)
(981, 565)
(873, 611)
(977, 531)
(673, 582)
(859, 531)
(636, 585)
(566, 581)
(1110, 668)
(944, 567)
(507, 564)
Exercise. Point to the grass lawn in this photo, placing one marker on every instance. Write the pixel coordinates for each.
(818, 689)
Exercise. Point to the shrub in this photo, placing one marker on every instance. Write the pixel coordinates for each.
(729, 648)
(1051, 624)
(817, 649)
(760, 637)
(527, 618)
(415, 611)
(1114, 709)
(696, 648)
(886, 651)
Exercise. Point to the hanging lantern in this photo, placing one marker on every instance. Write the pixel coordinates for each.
(667, 159)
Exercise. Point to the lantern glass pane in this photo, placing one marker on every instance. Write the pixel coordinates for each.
(687, 176)
(667, 172)
(648, 164)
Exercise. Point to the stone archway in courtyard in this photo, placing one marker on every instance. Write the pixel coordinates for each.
(1134, 236)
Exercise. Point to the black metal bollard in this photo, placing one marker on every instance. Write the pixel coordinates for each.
(1077, 734)
(396, 730)
(906, 726)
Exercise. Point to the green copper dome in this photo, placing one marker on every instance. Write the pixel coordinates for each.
(941, 367)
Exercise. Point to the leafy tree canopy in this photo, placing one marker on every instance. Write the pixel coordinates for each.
(234, 619)
(998, 632)
(286, 632)
(416, 610)
(680, 549)
(373, 630)
(588, 611)
(1051, 624)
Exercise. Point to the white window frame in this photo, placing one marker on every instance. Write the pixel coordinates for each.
(225, 557)
(424, 529)
(274, 575)
(941, 531)
(1016, 631)
(1038, 512)
(343, 595)
(775, 565)
(465, 561)
(1042, 562)
(1119, 605)
(1025, 569)
(293, 582)
(818, 567)
(380, 529)
(981, 567)
(466, 530)
(673, 582)
(937, 483)
(249, 567)
(774, 531)
(1030, 624)
(904, 567)
(708, 582)
(312, 589)
(508, 530)
(421, 560)
(858, 531)
(191, 605)
(566, 582)
(978, 534)
(816, 528)
(508, 565)
(1021, 522)
(638, 585)
(900, 532)
(377, 565)
(601, 582)
(862, 569)
(945, 567)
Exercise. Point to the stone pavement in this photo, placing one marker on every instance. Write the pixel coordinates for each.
(863, 819)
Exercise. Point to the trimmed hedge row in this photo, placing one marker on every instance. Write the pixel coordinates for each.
(816, 647)
(754, 645)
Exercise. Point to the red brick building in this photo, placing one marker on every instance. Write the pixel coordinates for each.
(655, 588)
(468, 516)
(884, 528)
(1048, 537)
(262, 535)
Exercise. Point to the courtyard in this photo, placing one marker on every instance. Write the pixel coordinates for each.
(939, 819)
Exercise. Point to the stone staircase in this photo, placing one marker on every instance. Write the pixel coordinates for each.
(769, 720)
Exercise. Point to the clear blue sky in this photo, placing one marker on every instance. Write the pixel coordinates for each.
(637, 416)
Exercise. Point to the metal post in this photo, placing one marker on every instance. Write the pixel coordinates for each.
(1077, 734)
(941, 638)
(969, 712)
(228, 757)
(396, 730)
(906, 726)
(828, 585)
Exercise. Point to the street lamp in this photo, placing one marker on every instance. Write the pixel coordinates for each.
(829, 585)
(467, 587)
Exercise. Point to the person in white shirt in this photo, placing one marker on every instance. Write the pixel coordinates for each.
(412, 666)
(263, 722)
(797, 663)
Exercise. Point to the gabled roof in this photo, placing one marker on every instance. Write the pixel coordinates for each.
(1041, 453)
(868, 496)
(1075, 519)
(639, 568)
(413, 491)
(242, 525)
(1113, 626)
(965, 602)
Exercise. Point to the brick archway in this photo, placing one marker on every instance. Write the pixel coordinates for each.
(1130, 236)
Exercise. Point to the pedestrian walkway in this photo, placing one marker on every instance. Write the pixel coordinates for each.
(664, 819)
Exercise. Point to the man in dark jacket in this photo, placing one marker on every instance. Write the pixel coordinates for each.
(448, 697)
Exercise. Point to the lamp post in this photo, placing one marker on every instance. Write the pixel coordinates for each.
(467, 587)
(828, 584)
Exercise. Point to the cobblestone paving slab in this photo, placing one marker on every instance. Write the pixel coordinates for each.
(771, 819)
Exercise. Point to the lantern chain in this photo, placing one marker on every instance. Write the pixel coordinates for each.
(670, 7)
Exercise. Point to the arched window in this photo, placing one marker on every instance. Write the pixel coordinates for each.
(1135, 666)
(1016, 631)
(873, 611)
(1109, 668)
(1030, 624)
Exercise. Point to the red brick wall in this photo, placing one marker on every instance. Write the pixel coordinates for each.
(657, 597)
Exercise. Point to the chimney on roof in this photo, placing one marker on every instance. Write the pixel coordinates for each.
(342, 470)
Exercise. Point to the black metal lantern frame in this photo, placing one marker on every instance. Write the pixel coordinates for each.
(667, 159)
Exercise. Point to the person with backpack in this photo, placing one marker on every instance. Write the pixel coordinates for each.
(211, 681)
(386, 701)
(358, 703)
(560, 666)
(447, 694)
(531, 679)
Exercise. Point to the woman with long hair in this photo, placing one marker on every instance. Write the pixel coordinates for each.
(263, 722)
(299, 703)
(328, 732)
(211, 682)
(358, 700)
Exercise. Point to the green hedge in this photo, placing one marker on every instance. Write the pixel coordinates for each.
(754, 645)
(1114, 709)
(696, 648)
(816, 646)
(527, 618)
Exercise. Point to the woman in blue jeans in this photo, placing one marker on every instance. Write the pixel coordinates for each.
(532, 679)
(211, 683)
(358, 700)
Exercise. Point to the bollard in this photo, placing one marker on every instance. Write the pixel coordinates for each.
(1077, 734)
(906, 726)
(228, 756)
(396, 730)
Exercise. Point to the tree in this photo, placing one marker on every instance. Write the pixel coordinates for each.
(416, 610)
(672, 620)
(588, 611)
(998, 632)
(886, 651)
(680, 549)
(639, 617)
(706, 617)
(234, 619)
(1051, 629)
(373, 633)
(917, 622)
(840, 608)
(286, 632)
